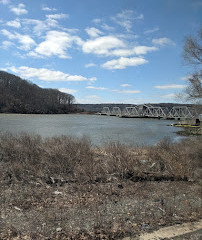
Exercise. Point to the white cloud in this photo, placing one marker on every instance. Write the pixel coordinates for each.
(156, 29)
(93, 32)
(137, 50)
(90, 65)
(51, 21)
(97, 88)
(107, 27)
(48, 9)
(67, 90)
(102, 45)
(5, 2)
(6, 44)
(127, 36)
(170, 95)
(125, 19)
(171, 86)
(76, 78)
(45, 74)
(139, 17)
(97, 20)
(93, 79)
(7, 34)
(162, 41)
(103, 25)
(25, 40)
(126, 91)
(125, 85)
(19, 10)
(123, 62)
(57, 16)
(113, 46)
(56, 44)
(122, 52)
(35, 55)
(41, 26)
(15, 23)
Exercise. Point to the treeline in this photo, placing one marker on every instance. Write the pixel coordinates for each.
(20, 96)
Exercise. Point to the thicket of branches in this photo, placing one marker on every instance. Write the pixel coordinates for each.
(193, 56)
(21, 96)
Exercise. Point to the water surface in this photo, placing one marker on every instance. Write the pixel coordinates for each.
(99, 128)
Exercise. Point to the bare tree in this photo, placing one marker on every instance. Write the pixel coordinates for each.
(193, 49)
(193, 55)
(194, 88)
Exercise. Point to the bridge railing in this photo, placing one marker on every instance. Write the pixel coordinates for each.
(151, 111)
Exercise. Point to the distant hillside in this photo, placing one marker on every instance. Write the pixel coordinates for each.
(20, 96)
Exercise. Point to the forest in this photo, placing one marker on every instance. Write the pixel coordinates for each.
(21, 96)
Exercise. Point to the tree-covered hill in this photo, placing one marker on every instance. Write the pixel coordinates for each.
(20, 96)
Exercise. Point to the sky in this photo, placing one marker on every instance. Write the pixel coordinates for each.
(109, 51)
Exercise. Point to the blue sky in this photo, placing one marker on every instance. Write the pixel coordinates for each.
(109, 51)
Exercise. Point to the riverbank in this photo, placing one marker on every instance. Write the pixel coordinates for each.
(189, 127)
(63, 188)
(190, 132)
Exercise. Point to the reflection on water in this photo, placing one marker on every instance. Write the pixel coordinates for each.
(99, 128)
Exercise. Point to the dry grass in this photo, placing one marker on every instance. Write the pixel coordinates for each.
(64, 188)
(27, 158)
(182, 160)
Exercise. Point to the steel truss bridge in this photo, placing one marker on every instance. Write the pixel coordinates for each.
(150, 112)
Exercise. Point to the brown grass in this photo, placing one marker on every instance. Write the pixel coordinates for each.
(95, 193)
(26, 158)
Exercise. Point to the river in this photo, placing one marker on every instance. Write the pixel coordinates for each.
(100, 129)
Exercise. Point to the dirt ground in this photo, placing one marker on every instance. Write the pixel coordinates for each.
(95, 211)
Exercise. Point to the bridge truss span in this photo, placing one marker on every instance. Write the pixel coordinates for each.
(131, 111)
(158, 112)
(150, 111)
(116, 111)
(182, 111)
(106, 111)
